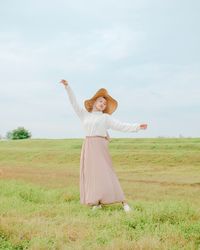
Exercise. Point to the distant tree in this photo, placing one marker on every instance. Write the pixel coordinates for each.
(18, 133)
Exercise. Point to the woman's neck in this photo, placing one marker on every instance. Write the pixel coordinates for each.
(96, 110)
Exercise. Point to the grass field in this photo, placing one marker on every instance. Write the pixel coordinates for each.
(39, 196)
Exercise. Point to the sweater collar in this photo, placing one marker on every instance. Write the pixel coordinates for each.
(97, 112)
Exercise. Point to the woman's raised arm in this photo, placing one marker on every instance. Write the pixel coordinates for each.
(79, 110)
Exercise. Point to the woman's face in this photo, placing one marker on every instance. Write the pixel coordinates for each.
(100, 104)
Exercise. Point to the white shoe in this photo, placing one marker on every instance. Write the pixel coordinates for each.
(96, 207)
(127, 208)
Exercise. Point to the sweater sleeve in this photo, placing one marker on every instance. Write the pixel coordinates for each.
(72, 98)
(115, 124)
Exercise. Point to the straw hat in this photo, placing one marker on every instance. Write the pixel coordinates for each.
(111, 102)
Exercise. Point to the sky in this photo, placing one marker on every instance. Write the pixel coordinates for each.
(144, 52)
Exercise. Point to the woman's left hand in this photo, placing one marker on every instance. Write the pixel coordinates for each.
(143, 126)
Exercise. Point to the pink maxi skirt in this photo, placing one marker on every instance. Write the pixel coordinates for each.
(98, 180)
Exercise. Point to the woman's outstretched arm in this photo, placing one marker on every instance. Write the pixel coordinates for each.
(115, 124)
(79, 110)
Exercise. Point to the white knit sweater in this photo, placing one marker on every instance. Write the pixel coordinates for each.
(97, 122)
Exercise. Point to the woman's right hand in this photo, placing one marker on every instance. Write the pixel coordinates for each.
(64, 82)
(143, 126)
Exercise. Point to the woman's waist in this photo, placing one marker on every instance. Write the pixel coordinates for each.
(97, 136)
(91, 136)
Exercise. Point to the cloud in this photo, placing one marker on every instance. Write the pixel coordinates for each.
(145, 53)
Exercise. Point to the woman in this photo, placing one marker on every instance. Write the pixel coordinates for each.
(98, 180)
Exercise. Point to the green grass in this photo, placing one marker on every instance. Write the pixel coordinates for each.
(40, 207)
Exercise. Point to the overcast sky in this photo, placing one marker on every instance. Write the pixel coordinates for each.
(144, 52)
